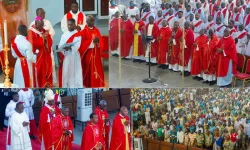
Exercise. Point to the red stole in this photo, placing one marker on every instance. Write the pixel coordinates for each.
(198, 23)
(145, 17)
(232, 30)
(224, 11)
(159, 21)
(211, 9)
(237, 17)
(205, 4)
(80, 18)
(242, 35)
(170, 18)
(231, 7)
(61, 57)
(166, 14)
(24, 64)
(247, 21)
(218, 29)
(210, 25)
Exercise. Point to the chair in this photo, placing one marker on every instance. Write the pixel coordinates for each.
(241, 62)
(243, 76)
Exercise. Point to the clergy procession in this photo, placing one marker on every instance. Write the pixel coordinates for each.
(212, 119)
(55, 130)
(78, 52)
(198, 38)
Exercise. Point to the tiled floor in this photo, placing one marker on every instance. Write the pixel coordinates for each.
(132, 75)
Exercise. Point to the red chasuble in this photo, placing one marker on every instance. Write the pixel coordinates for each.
(42, 69)
(80, 18)
(93, 73)
(24, 64)
(176, 35)
(61, 58)
(126, 37)
(104, 128)
(91, 137)
(198, 50)
(209, 62)
(165, 35)
(114, 33)
(45, 131)
(120, 139)
(228, 45)
(155, 45)
(138, 47)
(189, 42)
(60, 124)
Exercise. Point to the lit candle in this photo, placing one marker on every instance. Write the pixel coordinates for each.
(5, 33)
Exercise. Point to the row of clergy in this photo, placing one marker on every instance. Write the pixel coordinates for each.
(204, 55)
(237, 11)
(79, 51)
(56, 130)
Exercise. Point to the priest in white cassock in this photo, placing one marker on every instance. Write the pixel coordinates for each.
(49, 28)
(132, 11)
(27, 97)
(147, 13)
(22, 50)
(79, 17)
(219, 28)
(9, 111)
(19, 124)
(113, 8)
(198, 25)
(241, 44)
(70, 72)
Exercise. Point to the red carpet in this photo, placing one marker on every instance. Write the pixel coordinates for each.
(36, 145)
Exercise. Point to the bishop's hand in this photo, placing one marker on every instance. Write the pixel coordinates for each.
(25, 124)
(67, 48)
(219, 50)
(96, 40)
(126, 123)
(78, 28)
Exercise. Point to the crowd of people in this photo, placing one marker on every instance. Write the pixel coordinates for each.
(55, 129)
(209, 118)
(200, 38)
(79, 51)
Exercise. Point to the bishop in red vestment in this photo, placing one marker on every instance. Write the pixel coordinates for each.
(152, 29)
(103, 121)
(189, 42)
(63, 131)
(92, 138)
(199, 47)
(164, 37)
(47, 115)
(226, 60)
(127, 28)
(209, 62)
(114, 32)
(176, 47)
(138, 47)
(90, 50)
(42, 43)
(120, 139)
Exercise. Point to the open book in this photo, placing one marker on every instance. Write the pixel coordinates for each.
(61, 48)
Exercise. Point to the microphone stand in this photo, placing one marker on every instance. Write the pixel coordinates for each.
(149, 79)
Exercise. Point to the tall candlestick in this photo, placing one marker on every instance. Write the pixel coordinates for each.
(5, 33)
